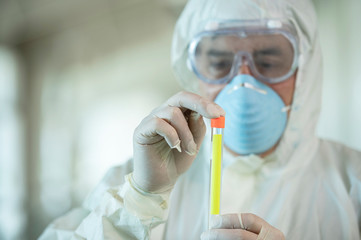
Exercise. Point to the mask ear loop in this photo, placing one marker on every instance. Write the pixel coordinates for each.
(286, 108)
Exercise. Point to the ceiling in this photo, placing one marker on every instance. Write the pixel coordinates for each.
(26, 20)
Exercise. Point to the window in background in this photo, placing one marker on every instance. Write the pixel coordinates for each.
(340, 36)
(12, 166)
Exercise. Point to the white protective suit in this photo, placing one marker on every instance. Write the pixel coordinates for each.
(308, 188)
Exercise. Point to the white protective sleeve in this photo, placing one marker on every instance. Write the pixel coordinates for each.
(112, 212)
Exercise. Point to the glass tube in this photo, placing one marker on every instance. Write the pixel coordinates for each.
(216, 167)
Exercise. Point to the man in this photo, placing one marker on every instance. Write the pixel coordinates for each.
(259, 64)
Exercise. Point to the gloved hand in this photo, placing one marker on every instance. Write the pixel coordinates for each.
(166, 141)
(245, 226)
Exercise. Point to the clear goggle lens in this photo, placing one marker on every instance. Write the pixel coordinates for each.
(216, 56)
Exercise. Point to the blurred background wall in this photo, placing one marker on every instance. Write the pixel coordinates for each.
(340, 35)
(76, 78)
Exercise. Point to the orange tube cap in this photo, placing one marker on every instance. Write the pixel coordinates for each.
(218, 122)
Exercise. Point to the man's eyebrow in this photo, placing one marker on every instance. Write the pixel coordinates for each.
(269, 51)
(218, 53)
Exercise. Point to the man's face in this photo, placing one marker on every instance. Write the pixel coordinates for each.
(284, 89)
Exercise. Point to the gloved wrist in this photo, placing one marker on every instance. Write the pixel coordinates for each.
(145, 205)
(153, 195)
(153, 185)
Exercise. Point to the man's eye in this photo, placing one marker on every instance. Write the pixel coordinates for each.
(268, 64)
(221, 65)
(265, 65)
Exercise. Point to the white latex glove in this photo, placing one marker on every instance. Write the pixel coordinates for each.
(167, 140)
(243, 226)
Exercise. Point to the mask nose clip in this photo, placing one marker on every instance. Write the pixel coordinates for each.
(247, 85)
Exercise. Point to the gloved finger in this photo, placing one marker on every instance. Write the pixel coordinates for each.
(228, 221)
(197, 127)
(174, 116)
(246, 221)
(228, 234)
(196, 103)
(249, 222)
(153, 129)
(255, 224)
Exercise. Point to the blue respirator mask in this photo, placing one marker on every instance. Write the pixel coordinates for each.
(255, 115)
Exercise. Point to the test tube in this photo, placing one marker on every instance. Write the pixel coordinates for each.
(217, 125)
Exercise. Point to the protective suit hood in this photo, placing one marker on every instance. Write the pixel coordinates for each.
(300, 131)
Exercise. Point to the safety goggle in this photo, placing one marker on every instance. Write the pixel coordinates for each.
(269, 47)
